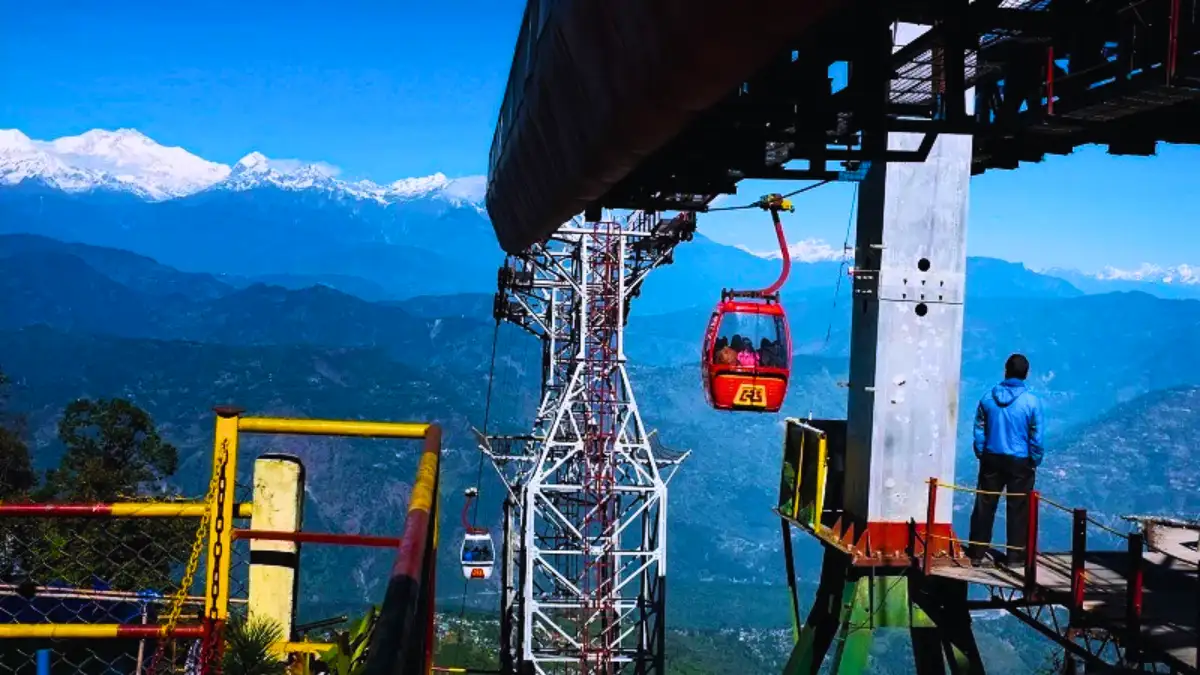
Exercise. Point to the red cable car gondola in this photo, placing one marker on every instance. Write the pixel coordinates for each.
(747, 353)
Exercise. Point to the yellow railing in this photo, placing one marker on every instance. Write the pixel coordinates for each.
(805, 469)
(410, 643)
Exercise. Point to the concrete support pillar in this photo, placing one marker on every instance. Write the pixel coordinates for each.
(906, 334)
(274, 565)
(906, 344)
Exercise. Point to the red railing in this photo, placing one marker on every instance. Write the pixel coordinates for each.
(1134, 571)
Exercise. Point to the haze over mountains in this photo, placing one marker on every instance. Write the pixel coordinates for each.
(276, 287)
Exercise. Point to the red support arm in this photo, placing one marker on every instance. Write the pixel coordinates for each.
(783, 250)
(773, 203)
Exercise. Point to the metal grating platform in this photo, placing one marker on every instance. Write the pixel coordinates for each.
(1170, 601)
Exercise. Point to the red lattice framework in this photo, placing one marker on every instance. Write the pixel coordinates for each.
(600, 363)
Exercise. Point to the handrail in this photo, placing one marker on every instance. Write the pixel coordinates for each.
(402, 642)
(1129, 628)
(1040, 499)
(315, 427)
(118, 510)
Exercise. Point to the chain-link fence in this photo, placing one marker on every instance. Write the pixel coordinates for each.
(91, 585)
(123, 587)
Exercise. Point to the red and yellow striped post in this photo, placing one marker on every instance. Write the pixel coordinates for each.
(431, 564)
(398, 641)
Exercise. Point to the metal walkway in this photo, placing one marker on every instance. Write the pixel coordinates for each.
(1167, 618)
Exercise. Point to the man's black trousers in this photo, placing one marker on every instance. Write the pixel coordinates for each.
(1014, 475)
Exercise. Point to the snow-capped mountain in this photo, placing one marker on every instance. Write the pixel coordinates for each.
(129, 161)
(256, 170)
(805, 250)
(22, 159)
(135, 160)
(1185, 275)
(1176, 281)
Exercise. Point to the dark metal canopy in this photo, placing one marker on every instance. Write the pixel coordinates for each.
(664, 104)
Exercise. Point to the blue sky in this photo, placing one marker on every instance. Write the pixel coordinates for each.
(386, 90)
(383, 90)
(1084, 211)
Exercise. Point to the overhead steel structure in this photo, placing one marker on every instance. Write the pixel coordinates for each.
(584, 554)
(662, 105)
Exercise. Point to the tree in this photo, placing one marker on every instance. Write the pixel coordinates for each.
(16, 469)
(112, 451)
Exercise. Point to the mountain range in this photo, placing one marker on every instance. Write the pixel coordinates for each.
(390, 241)
(126, 160)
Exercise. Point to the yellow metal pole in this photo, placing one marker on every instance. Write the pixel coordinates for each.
(136, 510)
(275, 565)
(822, 468)
(220, 528)
(60, 631)
(171, 510)
(799, 476)
(317, 648)
(278, 425)
(89, 631)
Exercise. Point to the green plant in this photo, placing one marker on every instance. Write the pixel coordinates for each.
(349, 655)
(249, 648)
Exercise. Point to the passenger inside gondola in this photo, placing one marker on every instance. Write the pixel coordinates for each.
(768, 354)
(477, 553)
(738, 348)
(746, 356)
(723, 354)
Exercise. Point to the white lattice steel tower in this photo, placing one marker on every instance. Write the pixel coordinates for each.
(586, 525)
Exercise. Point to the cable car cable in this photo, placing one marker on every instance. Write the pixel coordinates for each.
(487, 413)
(756, 204)
(845, 247)
(837, 289)
(806, 188)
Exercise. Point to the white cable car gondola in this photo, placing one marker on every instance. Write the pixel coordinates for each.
(478, 554)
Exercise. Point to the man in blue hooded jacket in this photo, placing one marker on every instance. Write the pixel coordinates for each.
(1008, 444)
